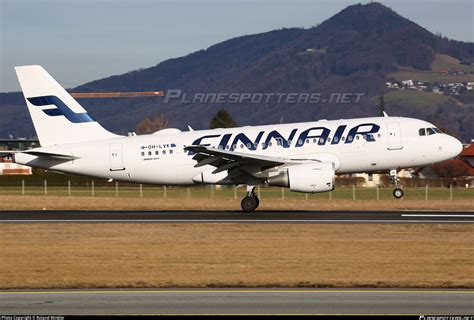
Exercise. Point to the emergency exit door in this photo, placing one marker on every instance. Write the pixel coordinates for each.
(116, 157)
(394, 136)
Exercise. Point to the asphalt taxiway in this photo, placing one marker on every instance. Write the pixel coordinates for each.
(239, 301)
(43, 216)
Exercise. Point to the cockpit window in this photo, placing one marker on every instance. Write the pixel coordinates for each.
(428, 131)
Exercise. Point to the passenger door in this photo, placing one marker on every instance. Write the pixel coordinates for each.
(116, 157)
(394, 136)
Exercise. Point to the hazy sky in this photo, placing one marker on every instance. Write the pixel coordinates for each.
(83, 40)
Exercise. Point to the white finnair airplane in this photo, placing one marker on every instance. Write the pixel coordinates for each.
(304, 157)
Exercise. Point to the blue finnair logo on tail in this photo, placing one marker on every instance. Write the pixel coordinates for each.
(61, 109)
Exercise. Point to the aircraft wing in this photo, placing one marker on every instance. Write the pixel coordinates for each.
(230, 160)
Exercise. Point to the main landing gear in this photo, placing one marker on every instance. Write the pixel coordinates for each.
(397, 192)
(251, 201)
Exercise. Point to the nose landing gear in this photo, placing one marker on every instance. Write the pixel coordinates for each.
(251, 201)
(397, 192)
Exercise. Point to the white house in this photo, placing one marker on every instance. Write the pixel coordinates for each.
(9, 168)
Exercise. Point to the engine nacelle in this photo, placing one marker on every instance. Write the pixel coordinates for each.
(311, 177)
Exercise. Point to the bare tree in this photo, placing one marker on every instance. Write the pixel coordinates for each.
(153, 124)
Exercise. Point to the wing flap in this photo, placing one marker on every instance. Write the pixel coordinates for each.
(235, 163)
(235, 156)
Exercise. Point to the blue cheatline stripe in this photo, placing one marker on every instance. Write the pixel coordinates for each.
(61, 109)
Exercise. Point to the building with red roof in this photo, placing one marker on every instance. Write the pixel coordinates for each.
(467, 154)
(459, 171)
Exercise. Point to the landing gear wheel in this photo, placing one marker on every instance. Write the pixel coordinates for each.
(249, 203)
(398, 193)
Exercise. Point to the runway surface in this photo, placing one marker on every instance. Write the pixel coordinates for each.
(238, 301)
(235, 216)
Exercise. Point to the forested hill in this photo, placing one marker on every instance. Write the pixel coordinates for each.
(356, 52)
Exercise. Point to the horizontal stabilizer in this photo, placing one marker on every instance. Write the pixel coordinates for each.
(4, 153)
(52, 155)
(57, 156)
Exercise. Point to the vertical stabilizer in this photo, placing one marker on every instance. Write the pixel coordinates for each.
(58, 118)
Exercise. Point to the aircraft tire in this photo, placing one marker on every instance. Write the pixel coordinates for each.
(249, 204)
(398, 193)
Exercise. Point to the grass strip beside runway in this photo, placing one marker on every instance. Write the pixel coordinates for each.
(235, 255)
(15, 202)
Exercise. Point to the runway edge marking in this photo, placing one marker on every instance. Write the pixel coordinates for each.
(231, 221)
(91, 291)
(440, 215)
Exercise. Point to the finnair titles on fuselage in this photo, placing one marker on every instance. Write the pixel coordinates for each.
(302, 156)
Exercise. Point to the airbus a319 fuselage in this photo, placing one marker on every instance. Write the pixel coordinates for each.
(302, 156)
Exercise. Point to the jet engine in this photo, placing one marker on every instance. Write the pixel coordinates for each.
(310, 177)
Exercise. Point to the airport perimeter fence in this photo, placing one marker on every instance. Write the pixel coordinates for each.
(63, 185)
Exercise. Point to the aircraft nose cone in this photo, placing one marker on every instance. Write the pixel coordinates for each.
(455, 147)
